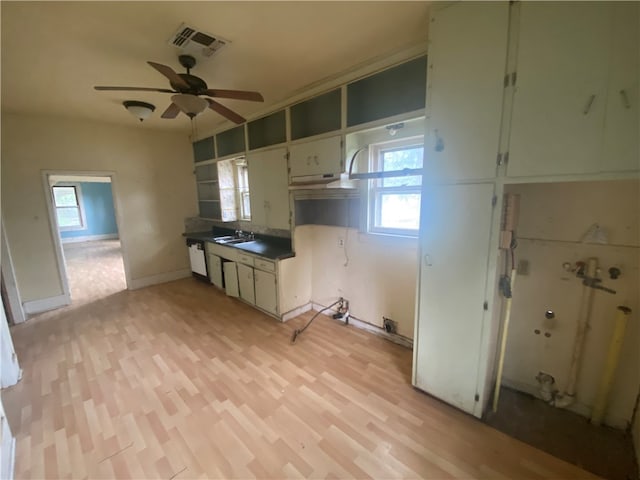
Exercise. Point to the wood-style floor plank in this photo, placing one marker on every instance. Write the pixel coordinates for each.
(181, 381)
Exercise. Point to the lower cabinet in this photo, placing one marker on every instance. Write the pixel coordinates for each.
(266, 293)
(230, 278)
(215, 271)
(245, 282)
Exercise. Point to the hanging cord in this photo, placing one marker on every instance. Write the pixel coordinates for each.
(298, 331)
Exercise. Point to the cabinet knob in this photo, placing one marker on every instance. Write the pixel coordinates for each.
(427, 260)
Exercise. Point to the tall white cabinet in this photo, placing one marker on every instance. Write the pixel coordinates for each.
(269, 188)
(518, 91)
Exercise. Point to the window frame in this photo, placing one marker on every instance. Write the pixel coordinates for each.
(242, 189)
(79, 205)
(375, 190)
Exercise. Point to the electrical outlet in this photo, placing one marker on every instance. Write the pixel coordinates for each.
(340, 242)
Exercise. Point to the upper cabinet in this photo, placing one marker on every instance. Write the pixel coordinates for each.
(266, 131)
(317, 157)
(465, 89)
(397, 90)
(231, 141)
(575, 107)
(203, 150)
(318, 115)
(269, 191)
(621, 150)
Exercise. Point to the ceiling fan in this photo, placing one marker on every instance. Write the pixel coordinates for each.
(189, 89)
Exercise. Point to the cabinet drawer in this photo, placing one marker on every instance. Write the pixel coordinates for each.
(227, 253)
(244, 258)
(265, 265)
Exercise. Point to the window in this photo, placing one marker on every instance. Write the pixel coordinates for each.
(243, 189)
(394, 202)
(233, 178)
(67, 202)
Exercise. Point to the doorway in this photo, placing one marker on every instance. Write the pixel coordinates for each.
(87, 234)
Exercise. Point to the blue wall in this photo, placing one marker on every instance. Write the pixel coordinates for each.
(97, 201)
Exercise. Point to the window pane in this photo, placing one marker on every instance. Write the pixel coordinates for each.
(65, 196)
(398, 159)
(246, 205)
(68, 217)
(399, 210)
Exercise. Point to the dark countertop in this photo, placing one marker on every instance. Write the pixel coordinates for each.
(274, 248)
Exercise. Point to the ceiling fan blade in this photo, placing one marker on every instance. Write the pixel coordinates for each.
(237, 94)
(168, 72)
(172, 111)
(225, 112)
(135, 89)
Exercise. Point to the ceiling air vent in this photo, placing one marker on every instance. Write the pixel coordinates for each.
(195, 42)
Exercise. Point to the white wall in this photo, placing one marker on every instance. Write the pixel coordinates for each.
(553, 219)
(154, 190)
(376, 274)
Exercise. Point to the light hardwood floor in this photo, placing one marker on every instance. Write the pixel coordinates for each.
(180, 381)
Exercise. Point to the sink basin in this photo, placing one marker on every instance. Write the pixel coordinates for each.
(229, 240)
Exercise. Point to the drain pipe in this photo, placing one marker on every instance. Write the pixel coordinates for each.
(568, 397)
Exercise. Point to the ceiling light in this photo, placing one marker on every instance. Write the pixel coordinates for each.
(140, 110)
(191, 105)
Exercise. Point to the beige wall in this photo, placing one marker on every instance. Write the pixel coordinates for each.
(154, 191)
(376, 274)
(553, 220)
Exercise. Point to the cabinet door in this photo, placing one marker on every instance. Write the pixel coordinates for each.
(215, 271)
(560, 93)
(266, 292)
(316, 157)
(453, 273)
(621, 135)
(465, 89)
(245, 281)
(230, 278)
(268, 188)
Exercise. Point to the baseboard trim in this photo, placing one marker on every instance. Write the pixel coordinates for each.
(90, 238)
(45, 304)
(137, 283)
(295, 312)
(361, 324)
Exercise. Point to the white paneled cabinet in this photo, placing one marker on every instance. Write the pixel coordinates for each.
(452, 290)
(622, 127)
(268, 188)
(246, 283)
(266, 292)
(561, 88)
(465, 89)
(316, 157)
(215, 270)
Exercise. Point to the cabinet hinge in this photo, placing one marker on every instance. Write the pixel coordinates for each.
(486, 305)
(494, 200)
(287, 155)
(506, 80)
(499, 159)
(477, 398)
(514, 77)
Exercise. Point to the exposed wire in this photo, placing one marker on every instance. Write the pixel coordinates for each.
(298, 331)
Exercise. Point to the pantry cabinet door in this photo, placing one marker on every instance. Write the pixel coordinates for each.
(456, 222)
(561, 88)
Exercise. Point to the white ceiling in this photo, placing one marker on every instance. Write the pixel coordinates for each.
(53, 53)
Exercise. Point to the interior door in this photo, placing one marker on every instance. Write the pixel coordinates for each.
(456, 226)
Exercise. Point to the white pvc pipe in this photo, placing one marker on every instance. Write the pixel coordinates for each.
(503, 342)
(569, 395)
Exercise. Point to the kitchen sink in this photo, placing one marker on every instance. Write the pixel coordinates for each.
(229, 240)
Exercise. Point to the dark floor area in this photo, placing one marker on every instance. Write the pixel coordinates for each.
(602, 450)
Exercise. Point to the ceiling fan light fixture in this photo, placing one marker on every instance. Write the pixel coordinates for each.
(140, 110)
(191, 105)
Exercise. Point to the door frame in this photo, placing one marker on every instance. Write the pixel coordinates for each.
(55, 231)
(9, 276)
